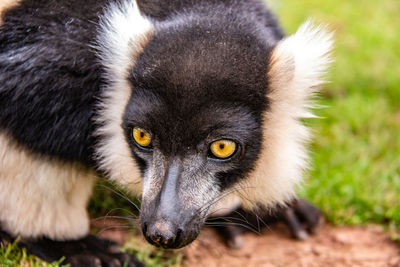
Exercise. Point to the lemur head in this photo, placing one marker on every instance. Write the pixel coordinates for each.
(197, 113)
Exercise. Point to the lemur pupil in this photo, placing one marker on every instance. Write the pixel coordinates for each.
(141, 134)
(221, 146)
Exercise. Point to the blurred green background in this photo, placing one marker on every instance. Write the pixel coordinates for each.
(356, 151)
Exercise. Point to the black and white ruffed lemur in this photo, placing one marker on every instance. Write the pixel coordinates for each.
(196, 106)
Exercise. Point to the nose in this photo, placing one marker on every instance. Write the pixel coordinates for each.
(163, 234)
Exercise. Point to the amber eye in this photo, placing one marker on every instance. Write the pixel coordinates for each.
(223, 149)
(142, 137)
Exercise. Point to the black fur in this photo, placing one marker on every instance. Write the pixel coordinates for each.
(253, 9)
(50, 76)
(86, 252)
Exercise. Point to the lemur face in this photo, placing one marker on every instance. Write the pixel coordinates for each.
(193, 124)
(199, 108)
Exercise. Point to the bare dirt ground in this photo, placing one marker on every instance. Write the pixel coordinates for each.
(330, 246)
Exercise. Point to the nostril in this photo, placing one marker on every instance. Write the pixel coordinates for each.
(158, 239)
(178, 235)
(144, 228)
(163, 234)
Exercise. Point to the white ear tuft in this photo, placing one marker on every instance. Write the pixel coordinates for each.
(122, 30)
(297, 66)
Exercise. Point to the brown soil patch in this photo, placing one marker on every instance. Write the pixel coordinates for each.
(364, 246)
(331, 246)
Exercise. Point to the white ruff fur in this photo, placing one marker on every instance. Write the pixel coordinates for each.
(297, 67)
(39, 197)
(124, 32)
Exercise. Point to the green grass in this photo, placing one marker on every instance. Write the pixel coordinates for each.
(12, 255)
(152, 256)
(356, 153)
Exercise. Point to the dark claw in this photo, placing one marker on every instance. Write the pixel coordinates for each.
(294, 224)
(301, 217)
(309, 217)
(231, 234)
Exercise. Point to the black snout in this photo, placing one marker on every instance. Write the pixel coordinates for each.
(167, 221)
(164, 234)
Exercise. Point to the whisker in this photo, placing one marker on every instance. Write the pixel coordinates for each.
(113, 217)
(236, 220)
(128, 227)
(208, 205)
(123, 209)
(234, 224)
(227, 218)
(121, 195)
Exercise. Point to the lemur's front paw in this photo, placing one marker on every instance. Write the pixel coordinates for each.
(88, 251)
(300, 216)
